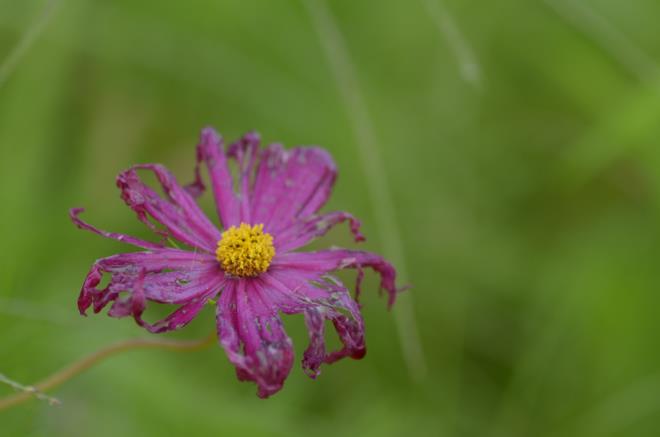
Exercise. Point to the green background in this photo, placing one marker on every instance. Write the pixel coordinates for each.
(504, 154)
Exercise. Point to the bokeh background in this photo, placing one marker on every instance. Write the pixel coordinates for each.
(503, 154)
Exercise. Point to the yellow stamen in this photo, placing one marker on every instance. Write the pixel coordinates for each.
(246, 250)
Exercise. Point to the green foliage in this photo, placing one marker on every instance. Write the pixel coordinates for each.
(527, 204)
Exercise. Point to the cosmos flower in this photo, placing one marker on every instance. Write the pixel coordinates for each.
(251, 270)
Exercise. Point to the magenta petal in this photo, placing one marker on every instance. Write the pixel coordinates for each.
(315, 353)
(75, 212)
(252, 335)
(245, 151)
(210, 151)
(304, 231)
(291, 184)
(178, 212)
(167, 276)
(338, 259)
(183, 315)
(196, 188)
(351, 333)
(321, 298)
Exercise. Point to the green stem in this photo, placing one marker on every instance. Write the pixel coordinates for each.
(85, 363)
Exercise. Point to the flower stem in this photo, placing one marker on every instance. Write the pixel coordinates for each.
(85, 363)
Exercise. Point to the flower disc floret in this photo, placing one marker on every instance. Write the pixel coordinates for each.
(245, 251)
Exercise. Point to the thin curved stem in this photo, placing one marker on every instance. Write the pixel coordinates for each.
(85, 363)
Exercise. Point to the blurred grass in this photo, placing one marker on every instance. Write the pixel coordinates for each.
(527, 207)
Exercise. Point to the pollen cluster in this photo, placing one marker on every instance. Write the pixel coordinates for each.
(245, 250)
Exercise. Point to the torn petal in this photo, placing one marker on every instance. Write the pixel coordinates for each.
(304, 231)
(291, 184)
(338, 259)
(178, 212)
(315, 353)
(245, 151)
(182, 315)
(165, 276)
(321, 298)
(252, 335)
(75, 212)
(210, 150)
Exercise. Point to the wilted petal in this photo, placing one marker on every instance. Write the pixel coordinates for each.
(166, 276)
(304, 231)
(184, 314)
(252, 335)
(178, 212)
(290, 185)
(315, 353)
(320, 297)
(75, 212)
(210, 151)
(338, 259)
(245, 151)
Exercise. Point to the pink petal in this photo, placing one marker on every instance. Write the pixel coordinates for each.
(315, 353)
(75, 212)
(210, 151)
(168, 276)
(245, 151)
(291, 184)
(338, 259)
(252, 335)
(178, 212)
(304, 231)
(183, 315)
(321, 298)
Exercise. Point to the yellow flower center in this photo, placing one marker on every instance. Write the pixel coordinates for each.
(245, 250)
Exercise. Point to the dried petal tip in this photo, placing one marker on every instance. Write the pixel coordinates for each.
(359, 354)
(210, 136)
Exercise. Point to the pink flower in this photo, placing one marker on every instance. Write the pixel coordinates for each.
(267, 210)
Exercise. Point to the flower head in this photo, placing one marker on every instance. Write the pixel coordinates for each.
(267, 210)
